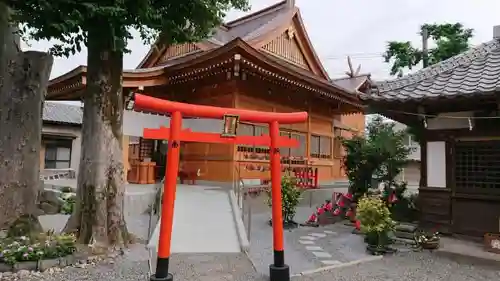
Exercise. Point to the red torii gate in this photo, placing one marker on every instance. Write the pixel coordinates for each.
(278, 271)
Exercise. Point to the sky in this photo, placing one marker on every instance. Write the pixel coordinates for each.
(358, 28)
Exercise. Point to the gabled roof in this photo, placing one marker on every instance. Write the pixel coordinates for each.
(352, 84)
(61, 113)
(256, 29)
(474, 72)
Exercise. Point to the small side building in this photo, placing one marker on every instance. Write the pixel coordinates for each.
(61, 139)
(455, 107)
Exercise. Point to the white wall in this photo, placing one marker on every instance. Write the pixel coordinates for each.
(436, 164)
(436, 150)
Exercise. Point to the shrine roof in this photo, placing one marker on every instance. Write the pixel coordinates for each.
(256, 29)
(61, 113)
(247, 35)
(469, 74)
(352, 84)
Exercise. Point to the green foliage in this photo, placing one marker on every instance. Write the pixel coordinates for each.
(290, 197)
(36, 247)
(380, 156)
(68, 205)
(69, 21)
(449, 39)
(375, 219)
(405, 208)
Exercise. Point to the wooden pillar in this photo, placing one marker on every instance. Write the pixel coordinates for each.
(42, 156)
(308, 136)
(126, 164)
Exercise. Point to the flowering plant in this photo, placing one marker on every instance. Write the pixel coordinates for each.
(374, 215)
(45, 246)
(375, 222)
(422, 237)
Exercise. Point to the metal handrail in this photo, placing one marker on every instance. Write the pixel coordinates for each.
(246, 209)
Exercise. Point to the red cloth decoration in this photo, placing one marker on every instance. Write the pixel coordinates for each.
(329, 206)
(348, 196)
(357, 224)
(312, 218)
(341, 203)
(348, 213)
(392, 198)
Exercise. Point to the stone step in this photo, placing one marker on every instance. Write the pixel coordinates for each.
(406, 227)
(403, 241)
(405, 235)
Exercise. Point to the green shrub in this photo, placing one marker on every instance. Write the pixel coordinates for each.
(375, 219)
(69, 205)
(290, 197)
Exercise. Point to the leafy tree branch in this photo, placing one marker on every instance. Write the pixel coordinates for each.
(449, 39)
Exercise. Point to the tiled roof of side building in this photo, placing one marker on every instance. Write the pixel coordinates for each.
(474, 72)
(56, 112)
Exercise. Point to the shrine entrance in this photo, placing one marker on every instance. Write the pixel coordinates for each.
(278, 271)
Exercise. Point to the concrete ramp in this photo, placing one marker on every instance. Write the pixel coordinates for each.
(204, 222)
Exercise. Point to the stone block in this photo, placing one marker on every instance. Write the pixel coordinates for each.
(46, 264)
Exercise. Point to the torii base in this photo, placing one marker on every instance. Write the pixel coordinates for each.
(281, 273)
(169, 277)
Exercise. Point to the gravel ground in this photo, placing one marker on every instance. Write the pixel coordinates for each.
(418, 266)
(134, 267)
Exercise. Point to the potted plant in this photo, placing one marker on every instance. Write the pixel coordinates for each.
(290, 198)
(376, 224)
(427, 240)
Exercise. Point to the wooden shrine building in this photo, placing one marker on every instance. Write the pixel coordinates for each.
(454, 106)
(263, 61)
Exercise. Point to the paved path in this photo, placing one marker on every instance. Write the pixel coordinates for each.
(306, 248)
(203, 221)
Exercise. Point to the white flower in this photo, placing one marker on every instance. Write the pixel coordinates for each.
(495, 244)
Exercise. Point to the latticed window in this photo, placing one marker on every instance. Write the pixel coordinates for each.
(338, 149)
(321, 147)
(245, 129)
(58, 154)
(477, 167)
(299, 151)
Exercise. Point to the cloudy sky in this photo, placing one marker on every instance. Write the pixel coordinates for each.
(359, 28)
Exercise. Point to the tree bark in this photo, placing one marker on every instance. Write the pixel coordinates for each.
(98, 218)
(24, 78)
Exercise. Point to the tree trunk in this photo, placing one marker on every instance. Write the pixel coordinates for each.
(23, 84)
(98, 218)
